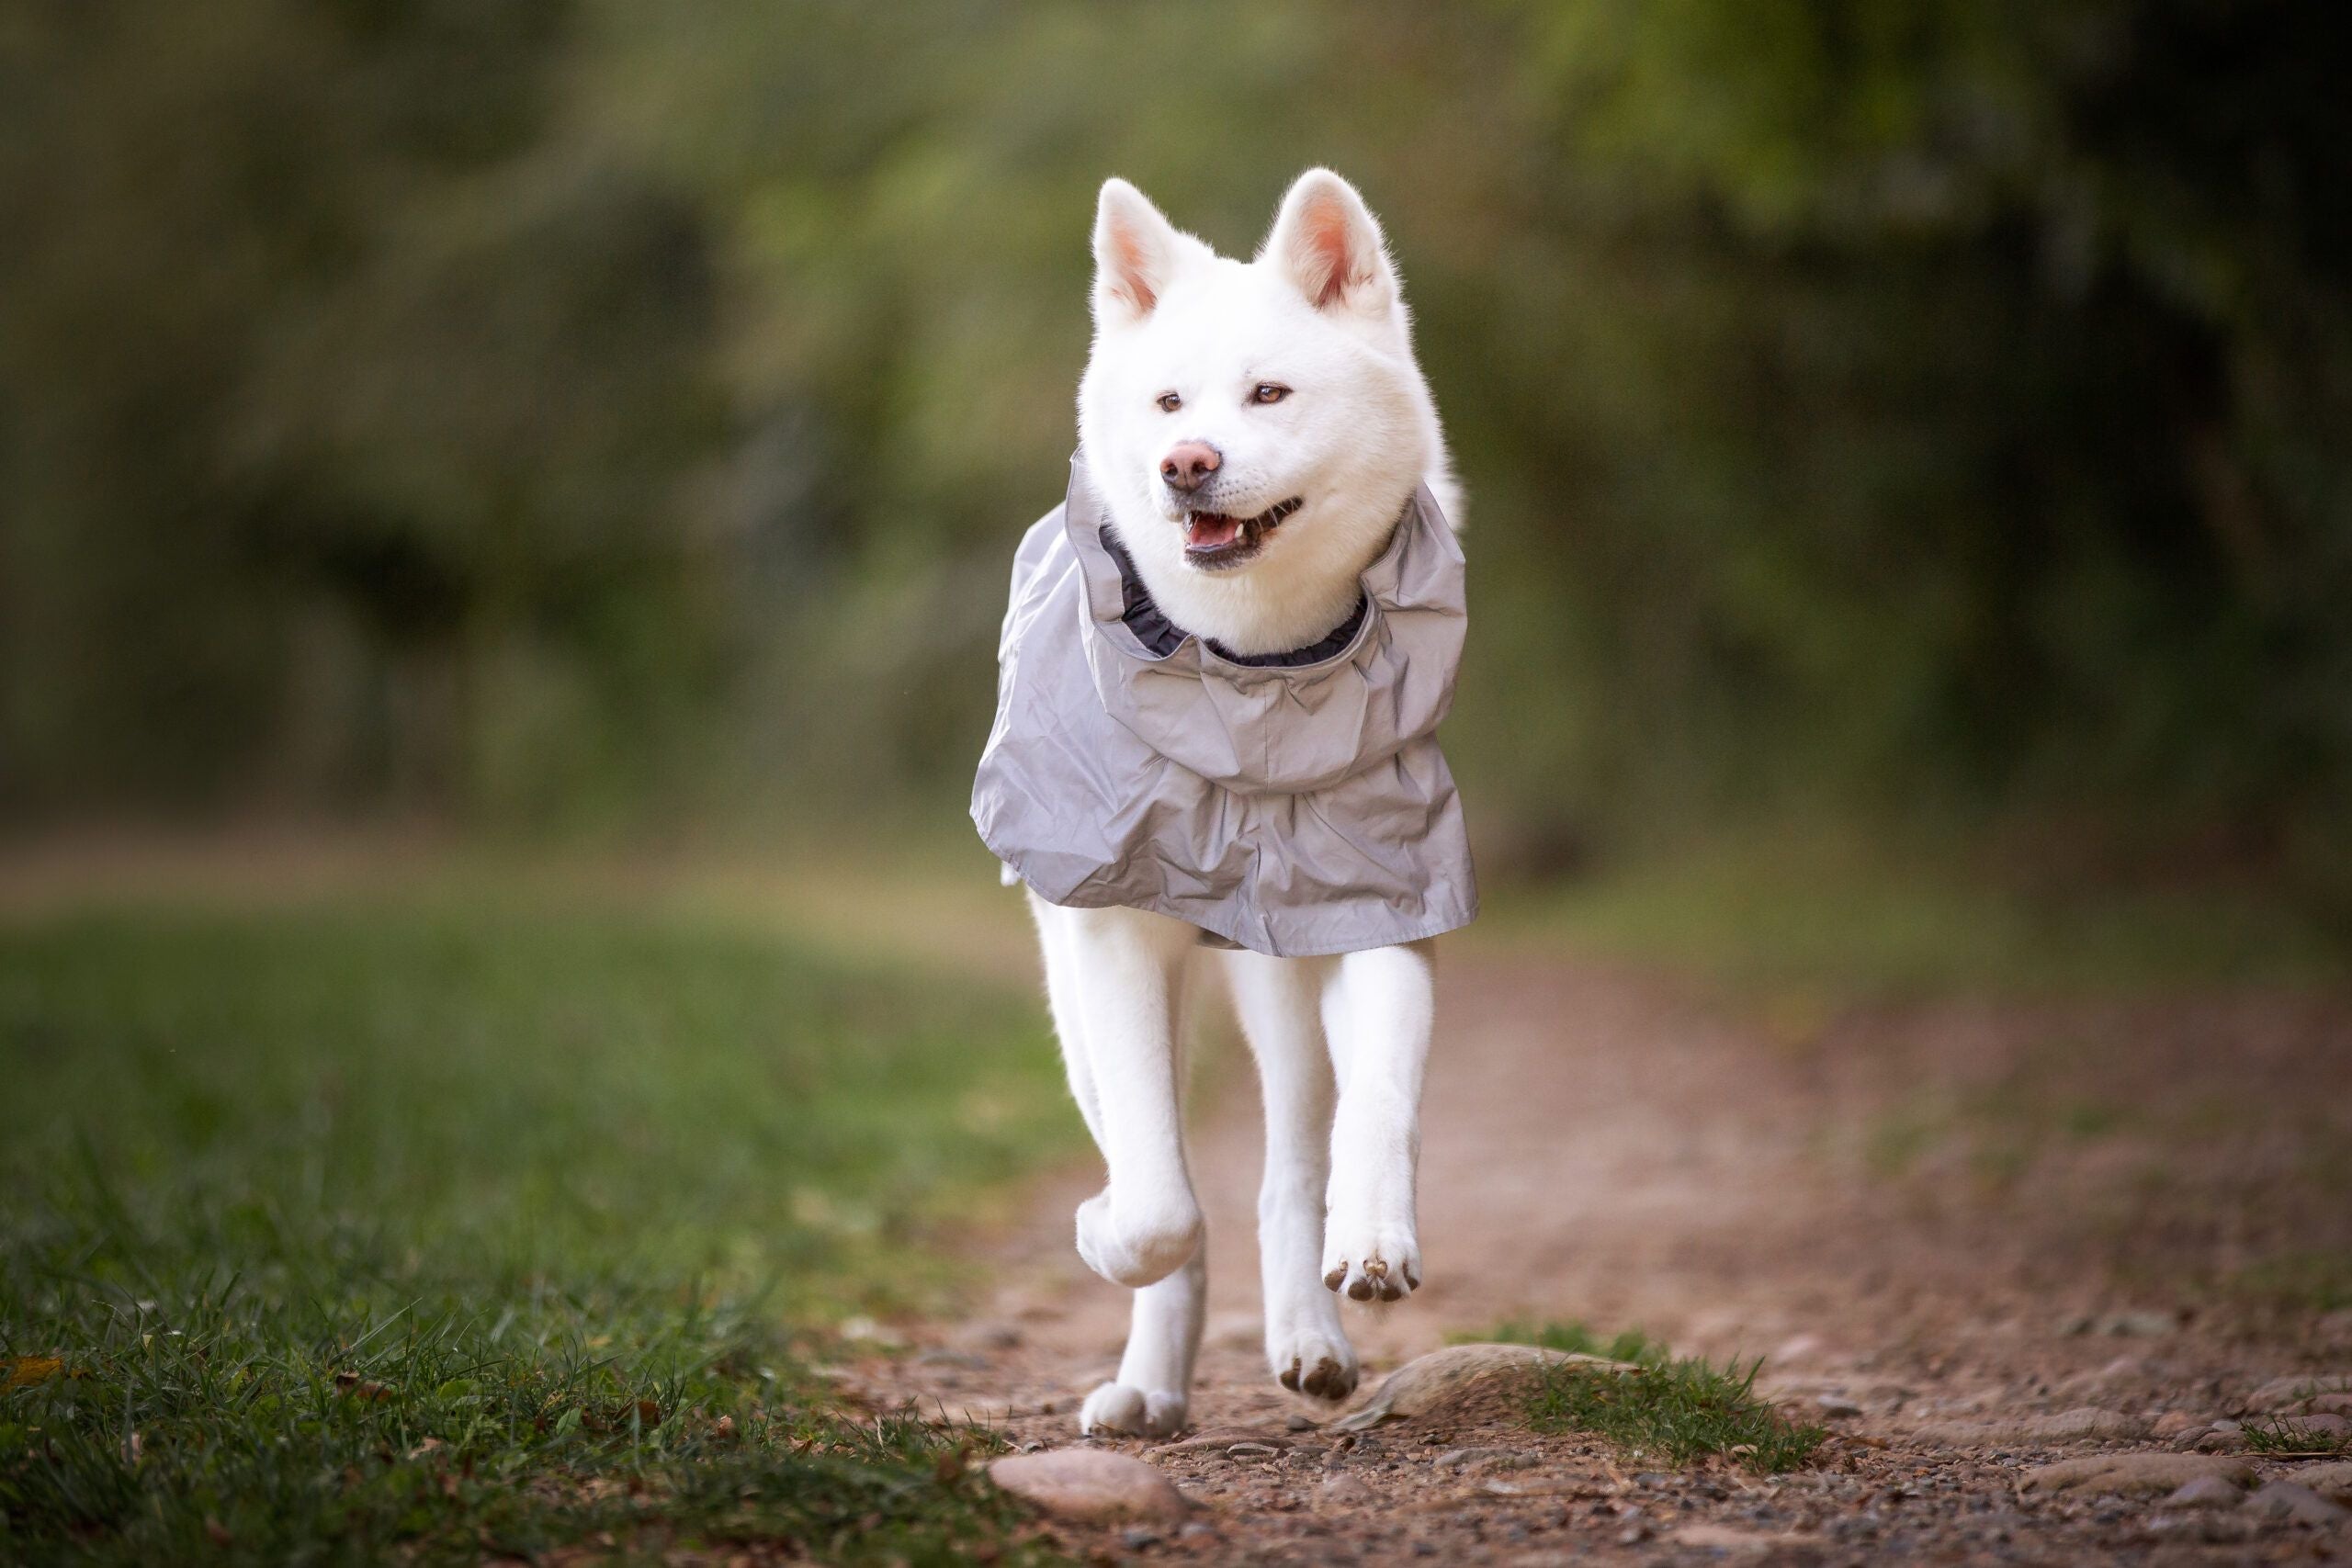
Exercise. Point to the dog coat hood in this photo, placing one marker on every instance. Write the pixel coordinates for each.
(1293, 804)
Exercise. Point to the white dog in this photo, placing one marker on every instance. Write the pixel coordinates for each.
(1251, 434)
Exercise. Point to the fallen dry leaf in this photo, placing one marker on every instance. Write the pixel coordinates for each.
(359, 1387)
(26, 1370)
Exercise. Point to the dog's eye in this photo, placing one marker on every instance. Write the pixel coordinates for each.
(1170, 403)
(1269, 392)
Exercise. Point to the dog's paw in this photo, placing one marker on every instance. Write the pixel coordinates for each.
(1309, 1361)
(1118, 1410)
(1364, 1262)
(1137, 1250)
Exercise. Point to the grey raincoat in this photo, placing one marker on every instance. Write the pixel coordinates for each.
(1293, 804)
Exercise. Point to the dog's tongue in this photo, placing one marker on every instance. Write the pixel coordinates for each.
(1210, 531)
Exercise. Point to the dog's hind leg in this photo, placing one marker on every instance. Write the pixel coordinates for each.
(1276, 999)
(1114, 978)
(1377, 1012)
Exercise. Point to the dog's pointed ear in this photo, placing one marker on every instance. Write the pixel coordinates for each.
(1136, 252)
(1329, 243)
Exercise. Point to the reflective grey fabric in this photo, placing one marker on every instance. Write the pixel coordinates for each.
(1293, 809)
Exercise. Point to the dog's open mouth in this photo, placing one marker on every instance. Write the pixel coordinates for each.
(1213, 540)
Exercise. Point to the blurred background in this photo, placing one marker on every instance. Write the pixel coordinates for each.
(565, 417)
(506, 507)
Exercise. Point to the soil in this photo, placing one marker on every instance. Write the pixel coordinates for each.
(1970, 1238)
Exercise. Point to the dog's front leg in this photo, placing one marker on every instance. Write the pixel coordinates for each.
(1127, 969)
(1115, 980)
(1377, 1012)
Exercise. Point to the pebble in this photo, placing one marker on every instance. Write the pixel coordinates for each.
(989, 1336)
(1137, 1540)
(1837, 1405)
(1296, 1423)
(2280, 1392)
(2173, 1423)
(1252, 1450)
(2206, 1492)
(2138, 1473)
(1344, 1491)
(2332, 1480)
(2088, 1424)
(1090, 1485)
(1454, 1458)
(1431, 1382)
(2286, 1500)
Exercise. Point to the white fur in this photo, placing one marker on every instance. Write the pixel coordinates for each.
(1358, 431)
(1340, 1042)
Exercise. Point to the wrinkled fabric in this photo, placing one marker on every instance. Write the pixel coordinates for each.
(1291, 808)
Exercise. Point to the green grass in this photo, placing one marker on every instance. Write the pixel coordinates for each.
(2286, 1435)
(1810, 919)
(375, 1230)
(1680, 1410)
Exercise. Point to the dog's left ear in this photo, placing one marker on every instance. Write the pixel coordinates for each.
(1327, 240)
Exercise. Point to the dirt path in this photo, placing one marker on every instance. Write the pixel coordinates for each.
(1971, 1240)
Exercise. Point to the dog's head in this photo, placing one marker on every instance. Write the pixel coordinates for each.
(1255, 427)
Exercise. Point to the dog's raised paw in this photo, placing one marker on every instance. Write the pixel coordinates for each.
(1116, 1409)
(1378, 1267)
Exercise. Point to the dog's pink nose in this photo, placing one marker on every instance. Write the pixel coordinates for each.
(1189, 465)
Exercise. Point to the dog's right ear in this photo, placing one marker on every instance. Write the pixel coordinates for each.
(1136, 252)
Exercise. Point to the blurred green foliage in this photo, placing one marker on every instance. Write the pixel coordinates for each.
(563, 408)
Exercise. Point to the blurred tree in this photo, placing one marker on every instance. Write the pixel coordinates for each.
(1891, 407)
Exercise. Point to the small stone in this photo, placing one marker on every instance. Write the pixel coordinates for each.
(1441, 1376)
(2206, 1492)
(2280, 1392)
(1225, 1439)
(2328, 1427)
(1090, 1485)
(1837, 1405)
(2286, 1500)
(1137, 1540)
(2173, 1423)
(2088, 1424)
(1634, 1534)
(1454, 1458)
(1252, 1450)
(2331, 1481)
(990, 1335)
(1296, 1423)
(2142, 1473)
(1196, 1529)
(1344, 1491)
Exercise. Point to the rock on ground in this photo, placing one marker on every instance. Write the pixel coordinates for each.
(1443, 1376)
(2128, 1473)
(2086, 1425)
(1090, 1485)
(2286, 1500)
(2206, 1492)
